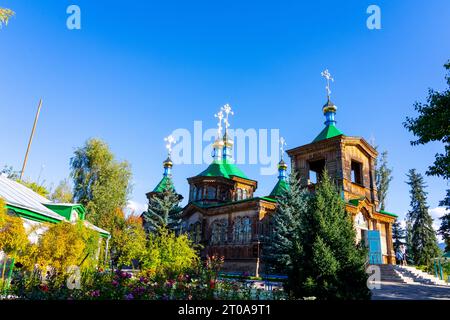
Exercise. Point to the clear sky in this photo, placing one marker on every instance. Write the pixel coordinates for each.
(139, 69)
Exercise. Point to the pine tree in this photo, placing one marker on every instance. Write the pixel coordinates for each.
(432, 125)
(163, 211)
(398, 235)
(285, 223)
(444, 229)
(325, 261)
(383, 179)
(423, 237)
(408, 241)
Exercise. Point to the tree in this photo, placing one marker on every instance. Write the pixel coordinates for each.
(408, 241)
(383, 179)
(5, 14)
(168, 255)
(163, 210)
(63, 193)
(285, 224)
(326, 261)
(101, 183)
(129, 242)
(398, 235)
(423, 237)
(13, 236)
(433, 124)
(64, 245)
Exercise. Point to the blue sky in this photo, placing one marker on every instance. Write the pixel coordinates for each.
(139, 69)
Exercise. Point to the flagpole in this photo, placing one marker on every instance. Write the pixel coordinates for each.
(31, 139)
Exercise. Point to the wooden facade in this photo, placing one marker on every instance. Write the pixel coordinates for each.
(350, 161)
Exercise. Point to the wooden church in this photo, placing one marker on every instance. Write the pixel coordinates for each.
(224, 215)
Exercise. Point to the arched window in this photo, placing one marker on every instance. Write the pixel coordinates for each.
(239, 194)
(211, 193)
(194, 193)
(244, 194)
(246, 230)
(219, 232)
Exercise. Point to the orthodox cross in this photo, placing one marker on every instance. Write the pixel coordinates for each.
(219, 115)
(282, 145)
(170, 142)
(227, 109)
(326, 74)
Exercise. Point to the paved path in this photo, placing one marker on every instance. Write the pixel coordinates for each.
(410, 291)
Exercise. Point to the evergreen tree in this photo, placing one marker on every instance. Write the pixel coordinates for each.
(285, 223)
(163, 210)
(444, 230)
(408, 241)
(383, 179)
(398, 235)
(324, 259)
(423, 237)
(432, 124)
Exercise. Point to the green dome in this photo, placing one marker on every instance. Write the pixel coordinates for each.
(222, 168)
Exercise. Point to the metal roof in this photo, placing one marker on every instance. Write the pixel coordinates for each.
(16, 194)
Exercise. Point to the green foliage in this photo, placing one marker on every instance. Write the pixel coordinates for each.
(5, 15)
(433, 124)
(62, 193)
(383, 179)
(318, 245)
(66, 244)
(277, 249)
(163, 210)
(128, 242)
(398, 235)
(13, 236)
(36, 187)
(423, 237)
(101, 183)
(169, 255)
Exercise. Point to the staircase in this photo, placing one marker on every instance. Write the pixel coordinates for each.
(419, 276)
(408, 275)
(389, 274)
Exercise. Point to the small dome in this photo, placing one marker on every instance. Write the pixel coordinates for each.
(168, 162)
(329, 107)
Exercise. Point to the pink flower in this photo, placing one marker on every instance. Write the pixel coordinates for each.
(115, 283)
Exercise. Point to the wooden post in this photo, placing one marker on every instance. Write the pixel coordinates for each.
(31, 138)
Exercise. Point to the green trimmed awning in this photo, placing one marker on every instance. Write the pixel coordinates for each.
(328, 132)
(388, 213)
(31, 215)
(222, 168)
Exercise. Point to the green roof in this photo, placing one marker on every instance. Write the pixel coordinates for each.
(280, 188)
(328, 132)
(162, 185)
(222, 168)
(388, 213)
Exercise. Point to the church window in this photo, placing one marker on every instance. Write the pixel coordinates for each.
(239, 194)
(211, 193)
(244, 194)
(356, 172)
(315, 170)
(195, 232)
(219, 232)
(246, 230)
